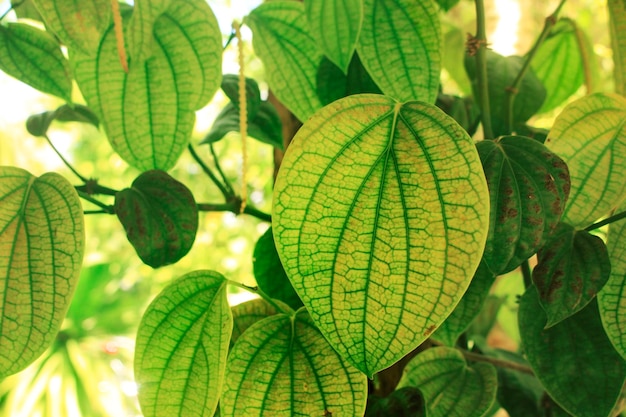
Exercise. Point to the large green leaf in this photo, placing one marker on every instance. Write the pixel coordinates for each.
(160, 217)
(35, 58)
(41, 251)
(380, 219)
(617, 26)
(145, 15)
(400, 45)
(559, 65)
(528, 187)
(335, 26)
(148, 114)
(79, 24)
(590, 135)
(289, 54)
(248, 313)
(283, 366)
(573, 359)
(571, 269)
(450, 387)
(181, 348)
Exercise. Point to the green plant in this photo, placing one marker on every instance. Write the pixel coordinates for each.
(390, 224)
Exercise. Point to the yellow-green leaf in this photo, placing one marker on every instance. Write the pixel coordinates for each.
(283, 366)
(181, 349)
(400, 46)
(590, 136)
(248, 313)
(289, 54)
(145, 14)
(380, 220)
(41, 251)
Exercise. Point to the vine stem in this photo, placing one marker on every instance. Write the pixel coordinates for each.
(608, 220)
(512, 90)
(219, 169)
(234, 207)
(226, 193)
(256, 290)
(481, 69)
(65, 161)
(107, 208)
(527, 274)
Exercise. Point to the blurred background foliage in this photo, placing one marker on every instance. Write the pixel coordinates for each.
(88, 370)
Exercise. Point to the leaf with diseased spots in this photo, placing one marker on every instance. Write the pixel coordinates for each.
(573, 266)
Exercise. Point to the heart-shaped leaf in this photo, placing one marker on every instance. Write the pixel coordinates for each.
(450, 387)
(590, 136)
(41, 251)
(574, 359)
(283, 365)
(160, 217)
(289, 54)
(400, 47)
(34, 57)
(230, 87)
(38, 124)
(380, 218)
(248, 313)
(528, 187)
(181, 348)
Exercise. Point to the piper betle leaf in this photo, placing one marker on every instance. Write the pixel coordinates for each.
(34, 57)
(41, 252)
(182, 345)
(248, 313)
(590, 135)
(78, 24)
(617, 27)
(468, 308)
(38, 124)
(160, 217)
(399, 46)
(403, 402)
(380, 219)
(612, 297)
(450, 387)
(528, 187)
(145, 15)
(148, 114)
(332, 84)
(230, 87)
(335, 25)
(571, 269)
(269, 272)
(283, 366)
(559, 65)
(282, 40)
(574, 359)
(26, 9)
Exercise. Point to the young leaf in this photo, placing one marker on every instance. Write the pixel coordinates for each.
(283, 366)
(248, 313)
(41, 251)
(38, 124)
(230, 86)
(270, 274)
(450, 387)
(289, 54)
(34, 57)
(399, 46)
(528, 187)
(182, 345)
(335, 26)
(380, 218)
(590, 135)
(573, 359)
(79, 24)
(160, 217)
(572, 267)
(403, 402)
(332, 84)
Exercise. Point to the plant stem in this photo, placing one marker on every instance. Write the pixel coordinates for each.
(234, 207)
(107, 208)
(481, 70)
(92, 187)
(527, 274)
(227, 195)
(230, 39)
(219, 169)
(606, 221)
(512, 90)
(500, 363)
(262, 294)
(83, 179)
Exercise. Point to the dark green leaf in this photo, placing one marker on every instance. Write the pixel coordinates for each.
(230, 86)
(160, 217)
(528, 187)
(463, 110)
(333, 84)
(447, 4)
(404, 402)
(38, 124)
(536, 133)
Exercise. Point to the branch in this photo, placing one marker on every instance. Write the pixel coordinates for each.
(226, 193)
(606, 221)
(105, 207)
(234, 206)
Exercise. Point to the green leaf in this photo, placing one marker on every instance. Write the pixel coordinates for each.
(160, 217)
(468, 308)
(79, 24)
(283, 366)
(571, 269)
(461, 109)
(41, 251)
(335, 25)
(145, 15)
(182, 345)
(559, 65)
(25, 9)
(617, 27)
(332, 84)
(148, 114)
(450, 387)
(453, 53)
(573, 359)
(399, 46)
(248, 313)
(38, 124)
(230, 86)
(528, 187)
(404, 402)
(590, 135)
(289, 54)
(266, 126)
(447, 4)
(270, 274)
(34, 57)
(380, 218)
(518, 393)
